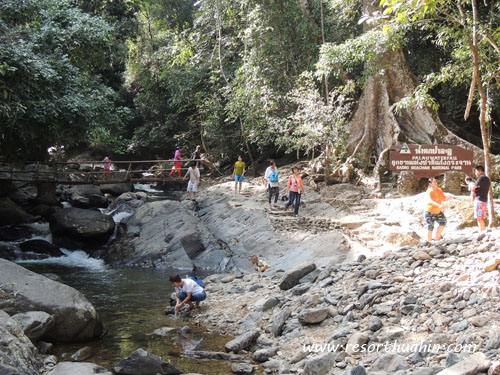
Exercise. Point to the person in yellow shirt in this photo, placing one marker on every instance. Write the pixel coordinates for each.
(435, 199)
(238, 173)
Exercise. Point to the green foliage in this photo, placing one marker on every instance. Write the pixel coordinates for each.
(53, 91)
(185, 85)
(495, 186)
(315, 124)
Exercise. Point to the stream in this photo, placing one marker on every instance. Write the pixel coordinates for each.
(131, 303)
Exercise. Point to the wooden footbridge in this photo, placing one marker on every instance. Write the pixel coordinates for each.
(46, 176)
(92, 172)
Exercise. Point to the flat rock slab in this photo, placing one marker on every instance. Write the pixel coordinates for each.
(200, 354)
(475, 364)
(262, 355)
(279, 321)
(78, 368)
(242, 342)
(164, 331)
(291, 278)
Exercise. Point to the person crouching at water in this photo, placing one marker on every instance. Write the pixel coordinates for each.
(187, 291)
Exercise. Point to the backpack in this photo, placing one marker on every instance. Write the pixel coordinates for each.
(274, 176)
(197, 280)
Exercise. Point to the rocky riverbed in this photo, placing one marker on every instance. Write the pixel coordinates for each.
(418, 310)
(396, 304)
(353, 286)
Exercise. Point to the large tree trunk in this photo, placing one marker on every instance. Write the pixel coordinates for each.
(375, 126)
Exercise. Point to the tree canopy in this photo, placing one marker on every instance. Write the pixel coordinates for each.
(262, 78)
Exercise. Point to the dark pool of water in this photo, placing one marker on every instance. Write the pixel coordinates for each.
(131, 303)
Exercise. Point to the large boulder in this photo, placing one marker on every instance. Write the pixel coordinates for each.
(116, 189)
(84, 196)
(167, 233)
(6, 186)
(8, 251)
(141, 362)
(76, 228)
(18, 355)
(39, 249)
(128, 201)
(12, 214)
(88, 201)
(24, 195)
(75, 317)
(35, 324)
(19, 232)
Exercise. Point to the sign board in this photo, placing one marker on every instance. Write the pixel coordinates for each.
(431, 160)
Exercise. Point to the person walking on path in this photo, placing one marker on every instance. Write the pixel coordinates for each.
(177, 162)
(107, 167)
(295, 188)
(435, 199)
(187, 291)
(238, 174)
(272, 179)
(194, 180)
(481, 190)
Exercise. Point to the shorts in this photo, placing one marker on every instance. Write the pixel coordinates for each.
(479, 209)
(238, 178)
(192, 186)
(431, 218)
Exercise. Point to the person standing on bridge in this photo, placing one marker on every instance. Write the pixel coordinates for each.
(177, 163)
(107, 167)
(197, 154)
(194, 179)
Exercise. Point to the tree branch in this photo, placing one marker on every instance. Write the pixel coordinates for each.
(475, 72)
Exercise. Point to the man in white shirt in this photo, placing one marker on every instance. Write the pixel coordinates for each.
(194, 179)
(271, 177)
(187, 291)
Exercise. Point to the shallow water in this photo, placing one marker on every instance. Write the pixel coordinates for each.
(131, 303)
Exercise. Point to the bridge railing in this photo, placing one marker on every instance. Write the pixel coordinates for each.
(90, 172)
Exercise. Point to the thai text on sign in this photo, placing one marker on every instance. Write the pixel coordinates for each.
(431, 160)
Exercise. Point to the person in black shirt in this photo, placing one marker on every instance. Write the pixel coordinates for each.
(481, 191)
(196, 155)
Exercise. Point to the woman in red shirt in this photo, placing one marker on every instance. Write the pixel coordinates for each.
(295, 188)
